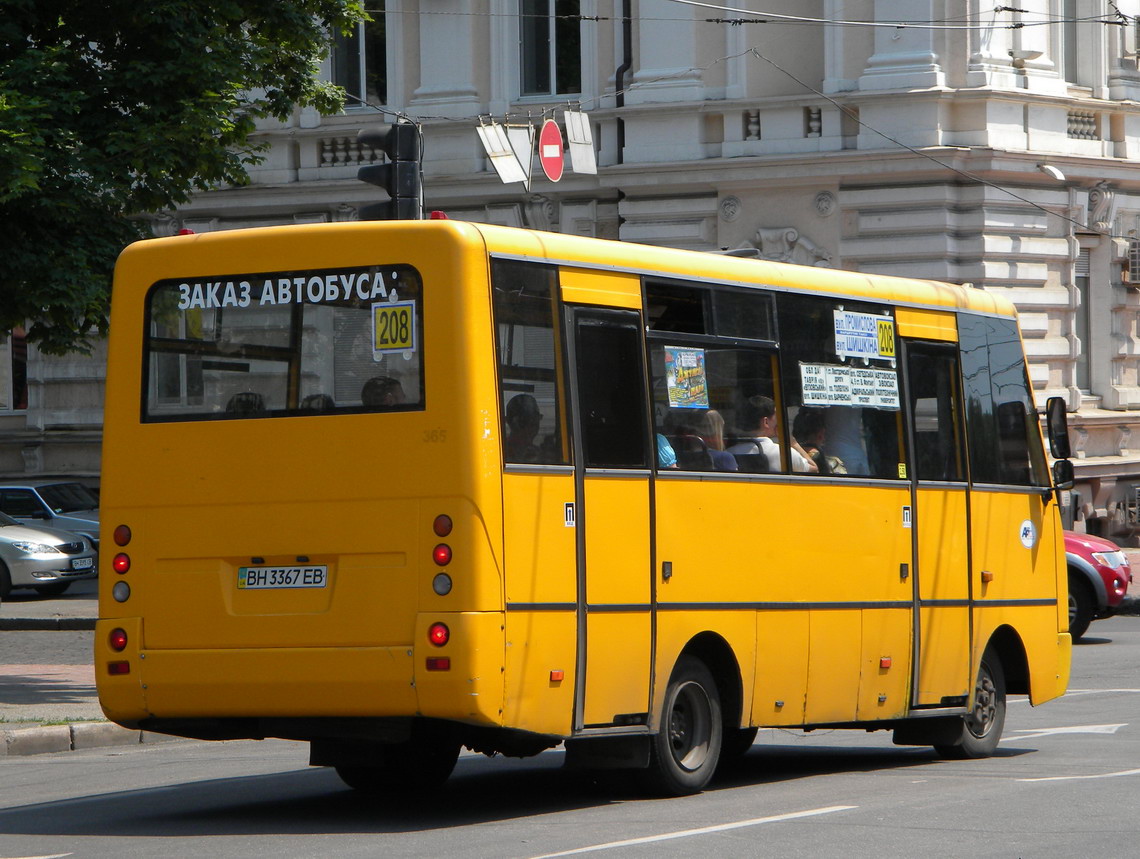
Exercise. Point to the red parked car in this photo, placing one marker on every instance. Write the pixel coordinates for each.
(1099, 576)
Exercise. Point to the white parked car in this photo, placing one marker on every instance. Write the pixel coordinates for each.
(62, 504)
(46, 560)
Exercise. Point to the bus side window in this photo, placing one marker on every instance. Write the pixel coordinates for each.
(1001, 428)
(527, 343)
(840, 384)
(935, 412)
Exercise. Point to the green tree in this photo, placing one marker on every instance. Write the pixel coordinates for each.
(114, 109)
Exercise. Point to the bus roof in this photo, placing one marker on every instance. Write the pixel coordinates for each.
(602, 254)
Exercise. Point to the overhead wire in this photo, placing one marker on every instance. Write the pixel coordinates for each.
(755, 51)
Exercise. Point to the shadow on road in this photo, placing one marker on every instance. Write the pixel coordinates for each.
(314, 801)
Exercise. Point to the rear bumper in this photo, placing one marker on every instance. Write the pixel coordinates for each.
(302, 682)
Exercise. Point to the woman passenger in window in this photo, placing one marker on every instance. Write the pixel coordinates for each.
(711, 431)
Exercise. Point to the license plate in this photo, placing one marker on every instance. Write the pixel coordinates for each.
(82, 563)
(254, 578)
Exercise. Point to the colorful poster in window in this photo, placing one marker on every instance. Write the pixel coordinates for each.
(839, 385)
(864, 335)
(685, 377)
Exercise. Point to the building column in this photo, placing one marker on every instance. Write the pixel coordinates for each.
(447, 64)
(904, 58)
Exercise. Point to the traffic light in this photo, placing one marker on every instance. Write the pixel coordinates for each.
(400, 177)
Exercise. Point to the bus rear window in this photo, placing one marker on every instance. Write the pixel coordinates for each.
(279, 344)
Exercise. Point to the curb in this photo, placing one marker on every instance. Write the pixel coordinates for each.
(46, 623)
(19, 742)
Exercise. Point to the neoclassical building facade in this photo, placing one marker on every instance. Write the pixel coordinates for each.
(942, 139)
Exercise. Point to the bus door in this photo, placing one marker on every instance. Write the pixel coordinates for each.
(1014, 534)
(940, 519)
(612, 490)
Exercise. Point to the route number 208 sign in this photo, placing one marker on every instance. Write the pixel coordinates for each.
(393, 327)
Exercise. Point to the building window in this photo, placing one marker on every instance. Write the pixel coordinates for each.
(13, 370)
(551, 42)
(360, 61)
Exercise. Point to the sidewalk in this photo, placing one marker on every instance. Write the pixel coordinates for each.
(53, 707)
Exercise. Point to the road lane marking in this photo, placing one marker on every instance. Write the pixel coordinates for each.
(1033, 733)
(705, 830)
(1083, 777)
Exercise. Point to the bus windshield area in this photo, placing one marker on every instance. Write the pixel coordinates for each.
(279, 344)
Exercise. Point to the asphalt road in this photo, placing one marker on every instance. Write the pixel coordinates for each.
(1062, 785)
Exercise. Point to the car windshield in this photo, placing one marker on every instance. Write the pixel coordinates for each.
(68, 497)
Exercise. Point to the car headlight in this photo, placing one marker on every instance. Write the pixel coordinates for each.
(1114, 560)
(36, 548)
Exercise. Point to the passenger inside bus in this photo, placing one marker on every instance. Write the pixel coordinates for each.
(316, 403)
(810, 431)
(711, 431)
(523, 420)
(758, 422)
(382, 391)
(246, 404)
(845, 437)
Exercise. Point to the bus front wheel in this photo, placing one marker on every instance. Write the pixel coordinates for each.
(982, 726)
(685, 751)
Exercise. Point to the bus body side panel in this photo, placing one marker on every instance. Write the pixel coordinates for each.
(1016, 553)
(619, 581)
(821, 563)
(944, 590)
(541, 591)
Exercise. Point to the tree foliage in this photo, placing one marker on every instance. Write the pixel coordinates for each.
(116, 109)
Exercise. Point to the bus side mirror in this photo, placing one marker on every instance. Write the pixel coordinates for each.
(1063, 474)
(1057, 427)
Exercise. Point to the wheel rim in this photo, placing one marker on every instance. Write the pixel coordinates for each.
(981, 719)
(690, 726)
(1072, 608)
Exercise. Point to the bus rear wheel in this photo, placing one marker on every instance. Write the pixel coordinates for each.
(685, 751)
(982, 726)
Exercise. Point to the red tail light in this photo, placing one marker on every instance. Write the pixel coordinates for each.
(122, 535)
(442, 525)
(441, 554)
(439, 634)
(118, 668)
(117, 639)
(121, 563)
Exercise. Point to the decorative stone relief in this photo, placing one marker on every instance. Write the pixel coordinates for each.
(1123, 439)
(785, 244)
(539, 212)
(165, 224)
(1101, 199)
(825, 203)
(730, 208)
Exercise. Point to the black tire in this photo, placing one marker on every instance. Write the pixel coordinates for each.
(422, 763)
(5, 582)
(1081, 606)
(983, 725)
(685, 751)
(52, 590)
